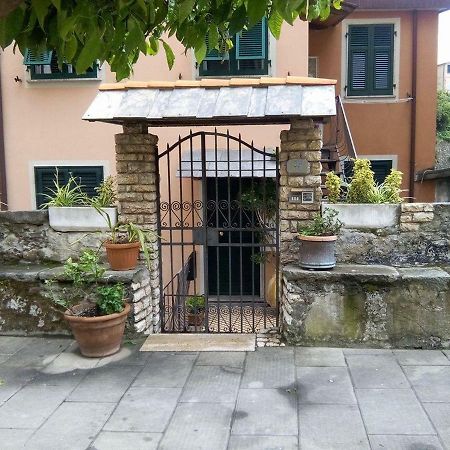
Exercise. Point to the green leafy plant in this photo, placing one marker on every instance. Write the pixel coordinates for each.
(443, 116)
(326, 224)
(85, 275)
(69, 194)
(106, 194)
(118, 32)
(195, 304)
(390, 189)
(111, 298)
(362, 185)
(333, 185)
(261, 198)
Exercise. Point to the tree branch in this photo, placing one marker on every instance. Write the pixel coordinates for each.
(6, 6)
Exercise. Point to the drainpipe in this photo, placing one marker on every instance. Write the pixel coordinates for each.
(412, 154)
(3, 186)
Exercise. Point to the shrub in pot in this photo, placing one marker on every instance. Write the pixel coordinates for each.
(125, 242)
(70, 209)
(317, 250)
(96, 313)
(195, 310)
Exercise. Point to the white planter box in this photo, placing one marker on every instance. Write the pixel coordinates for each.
(361, 215)
(80, 218)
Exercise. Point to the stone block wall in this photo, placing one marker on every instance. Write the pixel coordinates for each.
(302, 141)
(413, 215)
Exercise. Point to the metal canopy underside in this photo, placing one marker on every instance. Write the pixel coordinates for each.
(226, 105)
(228, 163)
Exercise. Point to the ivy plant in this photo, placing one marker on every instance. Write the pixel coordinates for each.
(119, 31)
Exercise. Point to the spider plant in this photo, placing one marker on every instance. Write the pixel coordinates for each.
(69, 194)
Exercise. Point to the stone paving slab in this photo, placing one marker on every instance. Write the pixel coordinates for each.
(274, 398)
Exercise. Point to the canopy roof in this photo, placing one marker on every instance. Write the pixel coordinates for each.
(214, 101)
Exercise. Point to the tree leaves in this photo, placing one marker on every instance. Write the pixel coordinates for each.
(118, 31)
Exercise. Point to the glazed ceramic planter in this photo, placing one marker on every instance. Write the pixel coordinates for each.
(122, 256)
(317, 252)
(98, 336)
(80, 218)
(366, 216)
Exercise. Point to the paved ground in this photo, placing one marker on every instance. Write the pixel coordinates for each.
(274, 398)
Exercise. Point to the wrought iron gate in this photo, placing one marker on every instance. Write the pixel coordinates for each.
(218, 228)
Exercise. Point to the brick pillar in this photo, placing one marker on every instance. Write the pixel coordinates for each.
(302, 142)
(136, 152)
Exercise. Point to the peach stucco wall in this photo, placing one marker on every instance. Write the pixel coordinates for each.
(384, 128)
(43, 123)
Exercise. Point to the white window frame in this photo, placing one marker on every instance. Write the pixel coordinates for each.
(316, 62)
(271, 66)
(62, 163)
(344, 61)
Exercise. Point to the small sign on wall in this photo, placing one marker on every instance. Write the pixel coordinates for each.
(299, 167)
(304, 197)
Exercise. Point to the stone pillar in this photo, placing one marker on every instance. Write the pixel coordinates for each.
(136, 152)
(302, 142)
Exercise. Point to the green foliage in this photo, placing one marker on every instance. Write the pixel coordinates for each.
(326, 224)
(443, 116)
(106, 193)
(391, 188)
(195, 304)
(110, 299)
(362, 186)
(69, 194)
(85, 275)
(118, 32)
(333, 185)
(261, 198)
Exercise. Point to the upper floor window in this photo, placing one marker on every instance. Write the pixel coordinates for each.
(370, 60)
(44, 66)
(448, 69)
(249, 55)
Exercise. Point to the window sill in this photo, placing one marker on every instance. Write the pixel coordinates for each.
(228, 77)
(371, 99)
(63, 80)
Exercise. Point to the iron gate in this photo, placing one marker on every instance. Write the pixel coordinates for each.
(218, 228)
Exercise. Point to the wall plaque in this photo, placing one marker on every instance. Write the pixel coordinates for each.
(298, 167)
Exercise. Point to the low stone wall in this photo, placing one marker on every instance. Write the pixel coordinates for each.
(25, 308)
(377, 306)
(26, 236)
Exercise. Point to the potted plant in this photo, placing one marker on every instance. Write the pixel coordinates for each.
(69, 209)
(318, 241)
(95, 313)
(195, 310)
(125, 242)
(363, 203)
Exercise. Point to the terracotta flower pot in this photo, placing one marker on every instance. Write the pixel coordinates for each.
(98, 336)
(196, 319)
(122, 256)
(317, 252)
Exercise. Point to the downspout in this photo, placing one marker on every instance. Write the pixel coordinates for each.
(3, 186)
(412, 154)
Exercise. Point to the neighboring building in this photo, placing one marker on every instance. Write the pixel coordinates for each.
(443, 76)
(383, 54)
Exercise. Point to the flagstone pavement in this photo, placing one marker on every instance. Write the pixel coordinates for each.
(273, 398)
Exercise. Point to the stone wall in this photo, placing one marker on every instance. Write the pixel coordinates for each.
(26, 309)
(374, 305)
(303, 141)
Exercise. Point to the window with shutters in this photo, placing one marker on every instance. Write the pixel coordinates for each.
(249, 55)
(370, 60)
(44, 66)
(88, 177)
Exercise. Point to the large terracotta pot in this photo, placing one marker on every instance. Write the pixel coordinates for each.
(317, 252)
(99, 336)
(122, 256)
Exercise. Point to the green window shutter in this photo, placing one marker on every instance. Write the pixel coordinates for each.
(381, 168)
(370, 60)
(33, 58)
(89, 177)
(251, 44)
(213, 54)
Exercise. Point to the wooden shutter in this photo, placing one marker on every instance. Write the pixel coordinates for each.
(381, 168)
(89, 177)
(370, 60)
(251, 44)
(33, 58)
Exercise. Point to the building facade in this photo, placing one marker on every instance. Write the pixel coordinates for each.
(382, 56)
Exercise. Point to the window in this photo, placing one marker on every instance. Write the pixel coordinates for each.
(380, 167)
(370, 60)
(88, 177)
(44, 66)
(448, 69)
(249, 56)
(313, 69)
